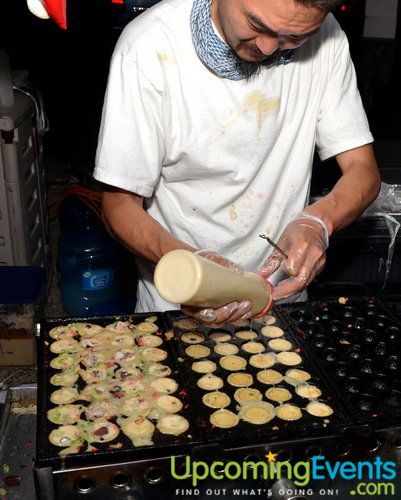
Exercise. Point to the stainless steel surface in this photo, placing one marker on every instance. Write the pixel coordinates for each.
(284, 489)
(142, 479)
(17, 449)
(152, 480)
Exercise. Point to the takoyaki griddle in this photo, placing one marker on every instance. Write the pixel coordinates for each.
(356, 343)
(245, 432)
(121, 448)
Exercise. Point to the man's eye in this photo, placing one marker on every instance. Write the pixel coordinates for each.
(297, 39)
(258, 29)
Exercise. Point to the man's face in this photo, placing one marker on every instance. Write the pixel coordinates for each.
(259, 30)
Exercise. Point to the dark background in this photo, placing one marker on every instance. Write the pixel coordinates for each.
(70, 69)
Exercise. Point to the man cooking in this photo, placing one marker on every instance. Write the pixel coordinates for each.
(211, 117)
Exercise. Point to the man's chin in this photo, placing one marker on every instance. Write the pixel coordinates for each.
(253, 58)
(249, 65)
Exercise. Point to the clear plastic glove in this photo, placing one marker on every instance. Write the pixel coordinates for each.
(229, 312)
(305, 241)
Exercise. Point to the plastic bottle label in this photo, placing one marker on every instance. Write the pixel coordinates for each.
(98, 279)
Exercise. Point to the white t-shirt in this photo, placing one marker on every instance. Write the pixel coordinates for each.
(221, 161)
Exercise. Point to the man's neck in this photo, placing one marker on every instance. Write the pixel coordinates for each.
(214, 15)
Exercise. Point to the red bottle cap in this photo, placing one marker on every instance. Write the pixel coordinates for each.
(270, 303)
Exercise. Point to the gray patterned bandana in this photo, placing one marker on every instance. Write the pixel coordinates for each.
(216, 54)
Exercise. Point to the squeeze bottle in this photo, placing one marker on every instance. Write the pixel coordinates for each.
(183, 277)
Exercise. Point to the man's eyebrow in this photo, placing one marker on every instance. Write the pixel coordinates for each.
(263, 26)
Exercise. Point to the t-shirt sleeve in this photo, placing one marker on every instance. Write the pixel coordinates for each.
(131, 142)
(342, 123)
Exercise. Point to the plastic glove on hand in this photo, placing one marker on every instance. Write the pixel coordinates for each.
(305, 241)
(227, 313)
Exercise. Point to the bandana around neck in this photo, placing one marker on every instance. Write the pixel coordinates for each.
(213, 51)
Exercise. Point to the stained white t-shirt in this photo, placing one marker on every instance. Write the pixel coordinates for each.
(221, 161)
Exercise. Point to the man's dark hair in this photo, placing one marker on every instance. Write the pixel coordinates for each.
(326, 5)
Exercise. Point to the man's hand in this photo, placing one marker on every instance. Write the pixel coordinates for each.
(305, 241)
(229, 312)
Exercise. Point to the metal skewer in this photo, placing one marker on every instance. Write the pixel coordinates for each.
(273, 245)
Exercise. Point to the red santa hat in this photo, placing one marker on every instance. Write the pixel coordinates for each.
(54, 9)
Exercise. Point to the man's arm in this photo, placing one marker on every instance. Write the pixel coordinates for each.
(304, 240)
(353, 193)
(126, 219)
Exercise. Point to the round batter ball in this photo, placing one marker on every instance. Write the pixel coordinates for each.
(153, 354)
(220, 336)
(289, 358)
(137, 427)
(240, 379)
(197, 351)
(65, 361)
(206, 366)
(192, 337)
(233, 363)
(67, 345)
(65, 435)
(257, 413)
(308, 391)
(186, 324)
(93, 375)
(120, 327)
(226, 349)
(297, 374)
(62, 332)
(86, 329)
(272, 331)
(172, 424)
(269, 319)
(65, 414)
(278, 394)
(247, 395)
(262, 360)
(216, 399)
(270, 377)
(63, 396)
(210, 382)
(288, 412)
(146, 327)
(158, 370)
(224, 419)
(318, 409)
(106, 409)
(279, 345)
(130, 406)
(253, 347)
(170, 404)
(246, 334)
(149, 340)
(102, 431)
(164, 385)
(121, 341)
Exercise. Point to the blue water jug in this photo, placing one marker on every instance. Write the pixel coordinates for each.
(89, 262)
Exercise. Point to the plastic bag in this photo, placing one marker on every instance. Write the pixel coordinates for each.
(388, 200)
(386, 205)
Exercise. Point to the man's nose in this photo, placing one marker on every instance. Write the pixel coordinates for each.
(267, 44)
